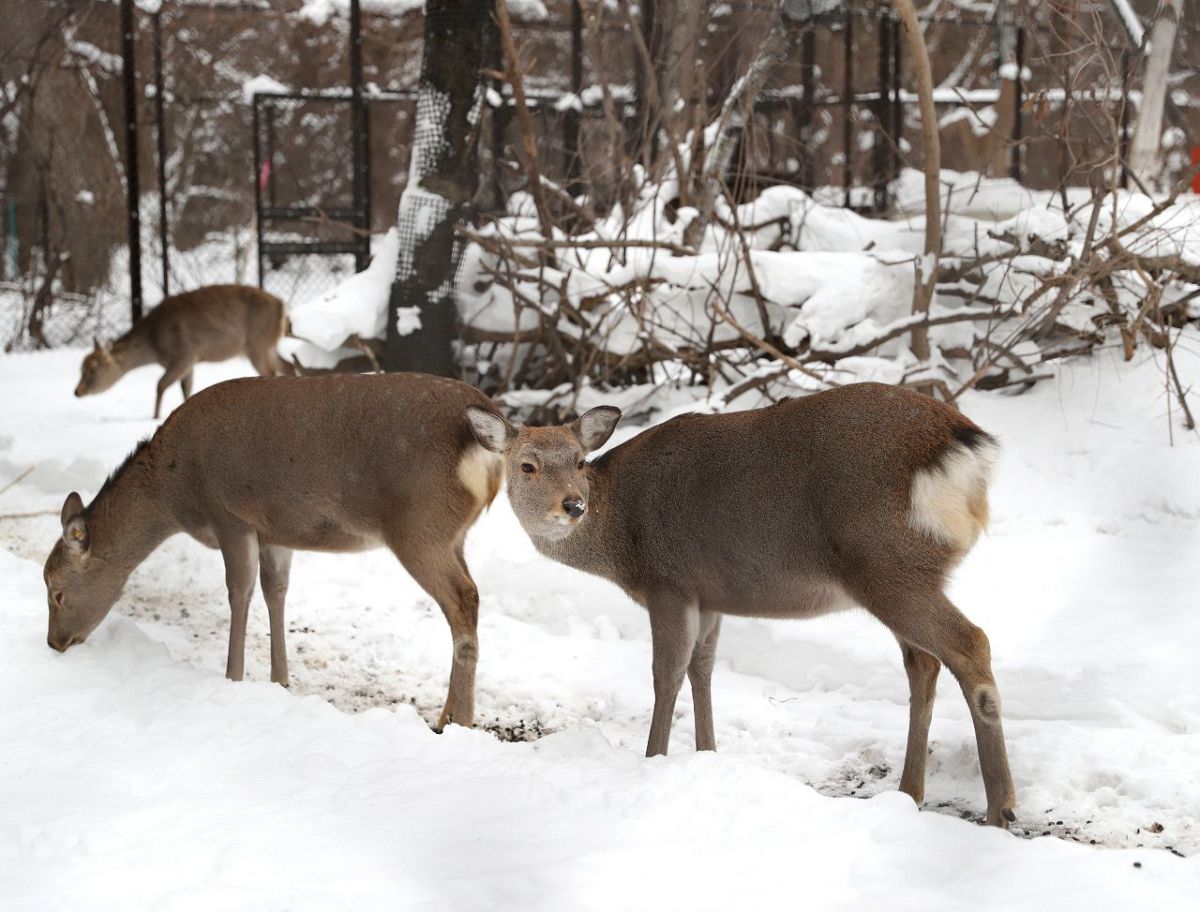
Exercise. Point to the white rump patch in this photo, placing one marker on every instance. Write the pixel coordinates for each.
(480, 472)
(949, 498)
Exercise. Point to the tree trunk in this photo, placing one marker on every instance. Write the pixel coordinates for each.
(927, 268)
(1144, 160)
(442, 178)
(998, 151)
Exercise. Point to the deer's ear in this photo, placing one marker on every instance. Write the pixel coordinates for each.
(95, 343)
(593, 428)
(72, 507)
(75, 530)
(491, 430)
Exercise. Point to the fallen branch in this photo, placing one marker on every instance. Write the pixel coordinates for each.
(20, 478)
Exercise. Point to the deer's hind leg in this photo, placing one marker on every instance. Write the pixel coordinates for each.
(274, 566)
(442, 572)
(700, 674)
(267, 362)
(922, 670)
(173, 373)
(930, 622)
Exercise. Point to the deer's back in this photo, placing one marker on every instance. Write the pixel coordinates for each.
(320, 463)
(214, 323)
(767, 510)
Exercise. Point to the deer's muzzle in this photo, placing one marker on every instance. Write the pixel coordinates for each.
(62, 643)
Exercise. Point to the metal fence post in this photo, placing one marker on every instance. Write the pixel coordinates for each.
(881, 153)
(897, 106)
(362, 188)
(808, 67)
(847, 105)
(571, 120)
(258, 186)
(1018, 102)
(129, 78)
(160, 127)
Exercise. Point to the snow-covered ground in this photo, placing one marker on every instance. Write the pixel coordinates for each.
(132, 775)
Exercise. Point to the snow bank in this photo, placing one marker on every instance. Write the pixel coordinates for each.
(136, 777)
(969, 194)
(200, 793)
(356, 306)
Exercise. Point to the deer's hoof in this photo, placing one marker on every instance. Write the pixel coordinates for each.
(1001, 818)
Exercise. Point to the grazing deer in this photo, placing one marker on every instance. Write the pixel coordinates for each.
(260, 468)
(213, 323)
(863, 495)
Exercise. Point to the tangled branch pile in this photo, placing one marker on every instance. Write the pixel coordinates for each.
(784, 293)
(672, 281)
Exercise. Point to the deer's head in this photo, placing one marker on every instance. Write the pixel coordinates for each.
(547, 475)
(81, 587)
(99, 371)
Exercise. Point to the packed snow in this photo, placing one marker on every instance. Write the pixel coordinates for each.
(263, 84)
(354, 308)
(135, 776)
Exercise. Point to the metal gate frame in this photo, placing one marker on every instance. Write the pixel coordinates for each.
(357, 216)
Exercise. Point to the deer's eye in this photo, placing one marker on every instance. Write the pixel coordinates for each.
(58, 599)
(528, 467)
(581, 465)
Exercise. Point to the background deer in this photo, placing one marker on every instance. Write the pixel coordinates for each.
(863, 495)
(260, 468)
(213, 323)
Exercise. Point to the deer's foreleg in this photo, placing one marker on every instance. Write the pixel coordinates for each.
(239, 548)
(674, 626)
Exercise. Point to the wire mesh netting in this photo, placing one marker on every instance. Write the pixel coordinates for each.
(840, 115)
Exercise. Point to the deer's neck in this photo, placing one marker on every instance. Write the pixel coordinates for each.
(134, 349)
(129, 518)
(591, 546)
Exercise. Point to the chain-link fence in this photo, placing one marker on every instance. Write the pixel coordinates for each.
(839, 118)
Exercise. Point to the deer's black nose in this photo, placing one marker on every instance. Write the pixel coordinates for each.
(574, 508)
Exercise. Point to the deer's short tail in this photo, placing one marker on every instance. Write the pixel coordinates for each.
(481, 472)
(949, 498)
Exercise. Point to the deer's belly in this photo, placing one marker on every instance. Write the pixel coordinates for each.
(787, 599)
(341, 545)
(221, 349)
(322, 537)
(318, 536)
